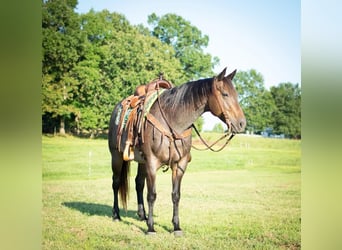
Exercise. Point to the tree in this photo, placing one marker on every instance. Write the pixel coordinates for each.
(92, 61)
(199, 125)
(218, 128)
(61, 45)
(287, 116)
(117, 58)
(97, 93)
(256, 102)
(188, 43)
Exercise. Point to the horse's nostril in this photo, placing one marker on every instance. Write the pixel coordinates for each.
(242, 124)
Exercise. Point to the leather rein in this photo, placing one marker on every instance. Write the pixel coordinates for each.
(228, 134)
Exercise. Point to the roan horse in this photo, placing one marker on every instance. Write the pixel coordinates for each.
(175, 110)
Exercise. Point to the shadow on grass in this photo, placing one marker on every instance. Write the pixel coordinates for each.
(105, 210)
(97, 209)
(89, 208)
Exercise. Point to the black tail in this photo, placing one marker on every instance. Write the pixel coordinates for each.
(124, 183)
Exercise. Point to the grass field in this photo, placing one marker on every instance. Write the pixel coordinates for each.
(244, 197)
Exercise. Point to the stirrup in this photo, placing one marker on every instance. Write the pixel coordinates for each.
(128, 154)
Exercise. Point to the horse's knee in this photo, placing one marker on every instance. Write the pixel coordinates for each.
(175, 197)
(151, 197)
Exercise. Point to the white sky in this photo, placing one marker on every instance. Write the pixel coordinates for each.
(263, 35)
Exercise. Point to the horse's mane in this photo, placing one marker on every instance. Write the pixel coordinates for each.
(190, 93)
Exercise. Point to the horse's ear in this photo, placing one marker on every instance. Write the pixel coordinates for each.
(231, 75)
(220, 76)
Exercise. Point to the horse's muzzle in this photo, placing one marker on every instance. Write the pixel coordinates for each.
(237, 126)
(242, 124)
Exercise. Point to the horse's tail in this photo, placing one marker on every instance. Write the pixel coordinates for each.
(124, 183)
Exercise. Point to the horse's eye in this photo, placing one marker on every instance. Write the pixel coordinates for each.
(225, 94)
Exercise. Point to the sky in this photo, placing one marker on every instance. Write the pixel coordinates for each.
(264, 35)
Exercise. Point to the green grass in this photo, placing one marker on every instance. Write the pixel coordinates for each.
(245, 197)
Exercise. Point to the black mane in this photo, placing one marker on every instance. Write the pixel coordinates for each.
(191, 93)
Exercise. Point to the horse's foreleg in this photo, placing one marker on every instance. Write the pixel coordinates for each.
(151, 196)
(139, 187)
(177, 175)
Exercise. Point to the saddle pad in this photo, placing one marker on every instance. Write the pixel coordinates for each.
(125, 118)
(150, 99)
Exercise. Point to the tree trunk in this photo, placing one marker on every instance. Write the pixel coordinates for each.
(77, 121)
(62, 126)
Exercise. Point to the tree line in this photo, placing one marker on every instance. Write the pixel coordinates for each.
(91, 61)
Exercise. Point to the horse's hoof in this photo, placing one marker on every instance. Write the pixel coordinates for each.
(178, 233)
(116, 219)
(142, 218)
(151, 233)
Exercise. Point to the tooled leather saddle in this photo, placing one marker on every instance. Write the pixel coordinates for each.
(132, 113)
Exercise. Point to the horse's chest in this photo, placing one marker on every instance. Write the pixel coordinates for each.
(172, 150)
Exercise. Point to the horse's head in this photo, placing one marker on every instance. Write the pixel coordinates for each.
(224, 104)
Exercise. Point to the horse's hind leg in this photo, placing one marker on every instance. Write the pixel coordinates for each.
(116, 168)
(139, 187)
(115, 186)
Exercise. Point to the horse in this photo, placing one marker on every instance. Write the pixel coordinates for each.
(167, 141)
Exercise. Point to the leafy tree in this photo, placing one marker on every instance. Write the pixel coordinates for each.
(199, 125)
(256, 102)
(96, 93)
(188, 43)
(287, 116)
(218, 128)
(61, 45)
(117, 58)
(91, 61)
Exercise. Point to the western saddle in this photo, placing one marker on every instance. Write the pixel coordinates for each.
(134, 110)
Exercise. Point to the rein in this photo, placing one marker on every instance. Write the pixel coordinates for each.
(231, 135)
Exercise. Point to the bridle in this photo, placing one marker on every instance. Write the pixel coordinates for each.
(222, 111)
(229, 135)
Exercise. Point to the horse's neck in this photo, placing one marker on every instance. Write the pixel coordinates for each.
(182, 111)
(184, 118)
